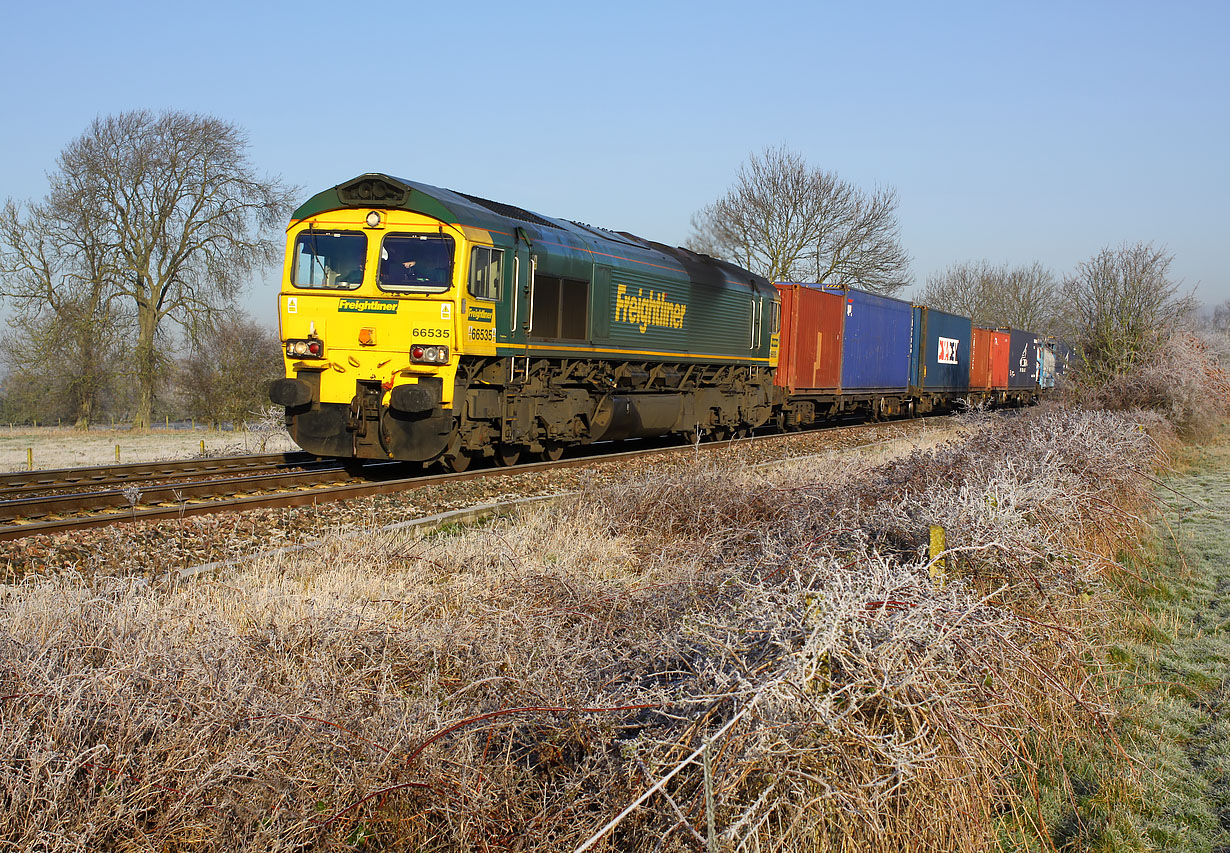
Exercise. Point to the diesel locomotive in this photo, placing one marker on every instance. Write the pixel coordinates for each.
(424, 324)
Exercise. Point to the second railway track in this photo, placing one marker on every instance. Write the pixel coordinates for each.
(67, 499)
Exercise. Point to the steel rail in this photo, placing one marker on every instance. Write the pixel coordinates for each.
(45, 505)
(106, 475)
(307, 496)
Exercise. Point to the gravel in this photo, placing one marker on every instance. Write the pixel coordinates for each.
(150, 549)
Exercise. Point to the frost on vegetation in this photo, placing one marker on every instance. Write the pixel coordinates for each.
(263, 432)
(1185, 382)
(523, 682)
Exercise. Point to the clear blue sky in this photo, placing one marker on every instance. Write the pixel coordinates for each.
(1012, 131)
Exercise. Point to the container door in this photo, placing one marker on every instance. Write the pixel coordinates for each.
(918, 351)
(1000, 355)
(829, 313)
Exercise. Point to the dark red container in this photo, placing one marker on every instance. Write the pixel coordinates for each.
(980, 359)
(1001, 351)
(988, 365)
(810, 356)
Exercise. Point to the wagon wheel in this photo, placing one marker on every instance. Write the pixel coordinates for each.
(552, 451)
(719, 433)
(507, 455)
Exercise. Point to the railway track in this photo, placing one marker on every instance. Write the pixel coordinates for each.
(21, 483)
(67, 499)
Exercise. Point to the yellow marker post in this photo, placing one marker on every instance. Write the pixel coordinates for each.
(117, 454)
(29, 458)
(937, 568)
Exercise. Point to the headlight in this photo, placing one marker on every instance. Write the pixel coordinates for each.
(310, 348)
(429, 354)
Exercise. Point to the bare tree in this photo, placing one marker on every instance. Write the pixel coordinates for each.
(1221, 317)
(790, 222)
(1216, 332)
(225, 376)
(181, 217)
(67, 331)
(1123, 306)
(995, 296)
(62, 363)
(964, 288)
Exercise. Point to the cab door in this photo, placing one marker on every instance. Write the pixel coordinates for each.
(519, 276)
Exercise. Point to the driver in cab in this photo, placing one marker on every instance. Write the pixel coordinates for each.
(397, 267)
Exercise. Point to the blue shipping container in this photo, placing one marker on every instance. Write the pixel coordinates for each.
(939, 358)
(875, 351)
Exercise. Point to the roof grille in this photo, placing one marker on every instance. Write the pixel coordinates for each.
(608, 234)
(509, 210)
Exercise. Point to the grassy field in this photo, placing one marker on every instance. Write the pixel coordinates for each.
(1160, 778)
(64, 447)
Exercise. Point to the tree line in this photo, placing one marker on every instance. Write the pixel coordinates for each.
(219, 377)
(123, 279)
(788, 221)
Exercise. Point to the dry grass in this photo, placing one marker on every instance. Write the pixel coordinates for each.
(513, 687)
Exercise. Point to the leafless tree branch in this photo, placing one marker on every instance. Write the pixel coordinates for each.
(788, 221)
(168, 216)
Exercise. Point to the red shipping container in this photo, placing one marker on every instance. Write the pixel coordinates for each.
(1001, 352)
(980, 359)
(809, 358)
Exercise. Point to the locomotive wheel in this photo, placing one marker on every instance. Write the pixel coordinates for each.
(457, 462)
(456, 458)
(507, 455)
(552, 451)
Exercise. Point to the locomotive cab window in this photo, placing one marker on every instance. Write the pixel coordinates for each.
(560, 309)
(331, 260)
(416, 262)
(486, 272)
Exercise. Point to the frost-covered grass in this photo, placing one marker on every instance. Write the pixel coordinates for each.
(65, 447)
(515, 686)
(1171, 659)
